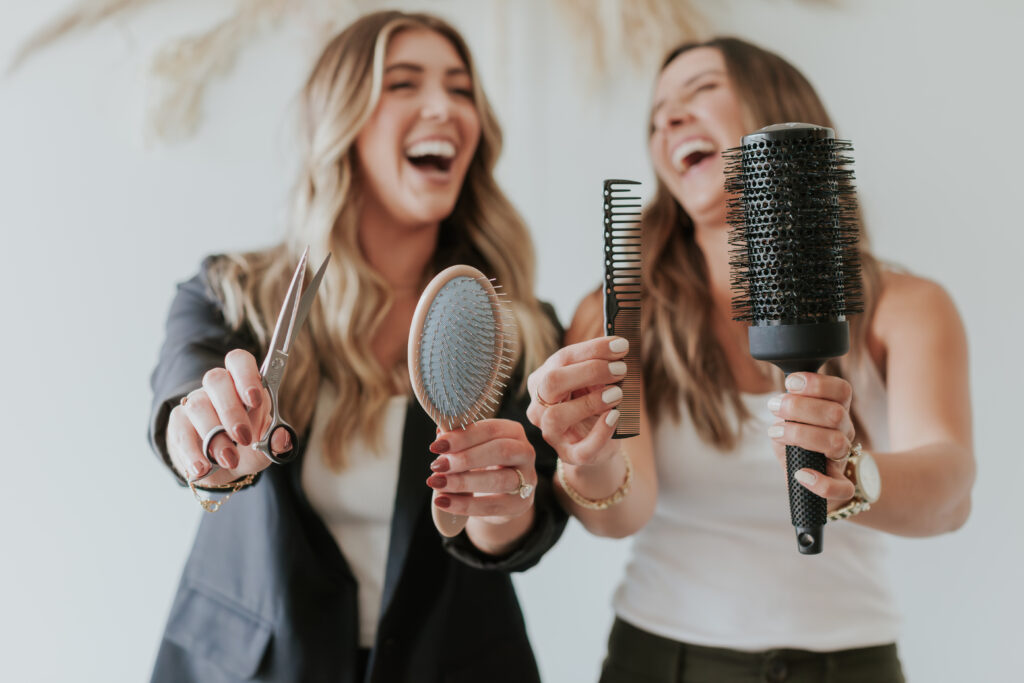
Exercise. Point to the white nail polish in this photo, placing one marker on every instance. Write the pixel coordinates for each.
(804, 477)
(617, 367)
(611, 394)
(774, 403)
(795, 382)
(775, 431)
(618, 345)
(612, 418)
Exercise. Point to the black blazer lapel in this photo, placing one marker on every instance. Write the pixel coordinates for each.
(412, 497)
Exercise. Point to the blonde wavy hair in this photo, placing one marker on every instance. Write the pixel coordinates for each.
(484, 230)
(682, 363)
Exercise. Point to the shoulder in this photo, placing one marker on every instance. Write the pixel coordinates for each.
(910, 307)
(588, 321)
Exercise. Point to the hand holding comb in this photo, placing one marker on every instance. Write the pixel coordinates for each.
(795, 268)
(460, 344)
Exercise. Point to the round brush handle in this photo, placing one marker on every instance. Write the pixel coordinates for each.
(807, 510)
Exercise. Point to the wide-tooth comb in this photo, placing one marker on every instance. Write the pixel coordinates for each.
(622, 291)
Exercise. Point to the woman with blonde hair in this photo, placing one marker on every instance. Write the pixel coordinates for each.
(715, 589)
(329, 568)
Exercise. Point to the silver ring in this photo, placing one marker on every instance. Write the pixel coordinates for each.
(208, 438)
(524, 490)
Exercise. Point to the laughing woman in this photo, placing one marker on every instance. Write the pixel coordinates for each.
(330, 569)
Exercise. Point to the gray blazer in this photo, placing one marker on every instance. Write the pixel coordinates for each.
(266, 595)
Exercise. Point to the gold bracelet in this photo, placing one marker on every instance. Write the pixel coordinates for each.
(600, 503)
(233, 488)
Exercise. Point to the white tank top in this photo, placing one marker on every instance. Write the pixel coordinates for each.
(717, 565)
(357, 504)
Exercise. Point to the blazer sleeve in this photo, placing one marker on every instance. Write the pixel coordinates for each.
(196, 340)
(549, 517)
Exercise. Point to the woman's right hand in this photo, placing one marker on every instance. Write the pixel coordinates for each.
(232, 396)
(573, 398)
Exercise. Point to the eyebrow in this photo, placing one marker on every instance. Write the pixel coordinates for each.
(661, 103)
(453, 71)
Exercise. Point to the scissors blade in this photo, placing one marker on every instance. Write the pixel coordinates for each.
(286, 319)
(306, 302)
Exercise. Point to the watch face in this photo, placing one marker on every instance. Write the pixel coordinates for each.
(869, 478)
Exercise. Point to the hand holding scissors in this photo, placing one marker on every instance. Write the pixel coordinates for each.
(238, 401)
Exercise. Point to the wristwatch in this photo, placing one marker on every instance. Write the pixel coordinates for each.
(862, 470)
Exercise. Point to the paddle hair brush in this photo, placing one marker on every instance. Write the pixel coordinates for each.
(622, 291)
(795, 268)
(461, 343)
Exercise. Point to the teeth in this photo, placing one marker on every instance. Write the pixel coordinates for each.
(687, 148)
(433, 148)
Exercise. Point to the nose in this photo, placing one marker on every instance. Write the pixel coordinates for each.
(672, 115)
(437, 105)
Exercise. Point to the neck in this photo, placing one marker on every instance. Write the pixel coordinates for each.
(400, 253)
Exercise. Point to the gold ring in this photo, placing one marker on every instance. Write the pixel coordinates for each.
(855, 449)
(545, 403)
(524, 490)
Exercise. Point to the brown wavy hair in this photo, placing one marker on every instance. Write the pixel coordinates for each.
(484, 230)
(682, 363)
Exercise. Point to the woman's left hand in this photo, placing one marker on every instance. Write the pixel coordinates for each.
(485, 470)
(814, 414)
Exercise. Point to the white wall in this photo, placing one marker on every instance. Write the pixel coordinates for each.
(97, 227)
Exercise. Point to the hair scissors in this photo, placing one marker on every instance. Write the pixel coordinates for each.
(289, 321)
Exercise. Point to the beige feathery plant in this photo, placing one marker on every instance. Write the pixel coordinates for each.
(641, 29)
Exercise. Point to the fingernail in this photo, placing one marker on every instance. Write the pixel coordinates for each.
(617, 367)
(440, 465)
(804, 477)
(442, 502)
(437, 481)
(774, 403)
(611, 394)
(612, 418)
(196, 468)
(775, 431)
(255, 397)
(244, 434)
(441, 446)
(796, 382)
(229, 458)
(286, 442)
(618, 345)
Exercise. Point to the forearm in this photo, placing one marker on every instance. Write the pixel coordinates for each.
(499, 539)
(926, 491)
(597, 482)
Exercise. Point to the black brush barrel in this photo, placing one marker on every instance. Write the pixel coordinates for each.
(795, 268)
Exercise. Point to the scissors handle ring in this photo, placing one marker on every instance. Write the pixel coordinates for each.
(271, 381)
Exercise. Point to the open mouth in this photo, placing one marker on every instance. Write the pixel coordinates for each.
(431, 155)
(690, 153)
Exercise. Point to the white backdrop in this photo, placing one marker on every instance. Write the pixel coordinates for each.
(97, 227)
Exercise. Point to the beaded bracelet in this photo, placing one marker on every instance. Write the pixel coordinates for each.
(600, 503)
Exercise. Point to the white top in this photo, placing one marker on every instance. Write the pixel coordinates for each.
(358, 503)
(718, 565)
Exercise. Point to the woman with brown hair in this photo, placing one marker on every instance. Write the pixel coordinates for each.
(715, 589)
(329, 568)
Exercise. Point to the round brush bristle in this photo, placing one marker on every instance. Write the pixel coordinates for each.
(795, 256)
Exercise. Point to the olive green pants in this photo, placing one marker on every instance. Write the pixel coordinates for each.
(635, 656)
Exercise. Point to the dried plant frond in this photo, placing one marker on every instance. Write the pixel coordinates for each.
(186, 66)
(85, 14)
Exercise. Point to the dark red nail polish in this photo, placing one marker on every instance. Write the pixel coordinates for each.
(441, 446)
(442, 502)
(229, 458)
(440, 465)
(437, 481)
(244, 434)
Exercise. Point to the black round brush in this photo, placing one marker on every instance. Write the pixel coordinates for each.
(795, 267)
